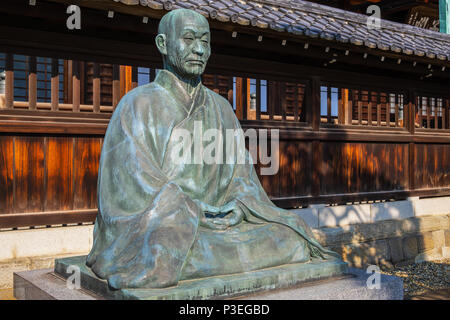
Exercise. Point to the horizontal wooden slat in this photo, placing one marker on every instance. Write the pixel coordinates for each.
(91, 123)
(17, 220)
(62, 106)
(292, 202)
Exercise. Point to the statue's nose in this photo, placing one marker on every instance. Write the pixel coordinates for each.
(198, 49)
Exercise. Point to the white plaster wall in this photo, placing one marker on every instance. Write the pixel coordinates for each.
(19, 244)
(319, 215)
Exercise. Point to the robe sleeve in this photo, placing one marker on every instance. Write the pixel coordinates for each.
(146, 225)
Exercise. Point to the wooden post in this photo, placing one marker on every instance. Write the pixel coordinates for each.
(396, 110)
(411, 112)
(378, 108)
(245, 97)
(369, 107)
(9, 81)
(387, 105)
(428, 112)
(328, 104)
(341, 107)
(251, 114)
(239, 98)
(134, 77)
(315, 104)
(115, 85)
(271, 86)
(32, 83)
(315, 161)
(348, 100)
(96, 88)
(444, 113)
(258, 99)
(436, 118)
(55, 85)
(75, 86)
(230, 93)
(420, 111)
(296, 115)
(359, 106)
(282, 91)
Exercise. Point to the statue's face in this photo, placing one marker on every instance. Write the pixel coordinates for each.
(188, 45)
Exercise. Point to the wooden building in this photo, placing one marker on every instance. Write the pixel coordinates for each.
(363, 112)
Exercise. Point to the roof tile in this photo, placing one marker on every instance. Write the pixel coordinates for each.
(300, 17)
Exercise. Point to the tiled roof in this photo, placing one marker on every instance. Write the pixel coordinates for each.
(316, 21)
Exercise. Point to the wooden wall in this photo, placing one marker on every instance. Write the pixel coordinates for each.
(434, 163)
(47, 174)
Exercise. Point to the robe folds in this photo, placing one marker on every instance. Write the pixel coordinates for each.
(147, 233)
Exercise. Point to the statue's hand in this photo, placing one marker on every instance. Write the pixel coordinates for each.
(234, 217)
(206, 222)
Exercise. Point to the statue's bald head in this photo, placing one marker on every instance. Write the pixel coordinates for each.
(170, 20)
(184, 41)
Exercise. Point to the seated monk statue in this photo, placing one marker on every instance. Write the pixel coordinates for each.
(161, 222)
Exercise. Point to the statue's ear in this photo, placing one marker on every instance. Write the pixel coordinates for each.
(161, 43)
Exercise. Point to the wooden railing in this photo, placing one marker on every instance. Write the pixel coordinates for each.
(432, 112)
(363, 106)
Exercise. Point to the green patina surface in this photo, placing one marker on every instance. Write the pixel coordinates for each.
(163, 221)
(218, 287)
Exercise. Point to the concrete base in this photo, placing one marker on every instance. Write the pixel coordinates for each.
(218, 287)
(45, 284)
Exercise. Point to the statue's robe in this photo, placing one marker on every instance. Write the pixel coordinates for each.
(147, 233)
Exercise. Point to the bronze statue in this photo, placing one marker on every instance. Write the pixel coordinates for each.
(160, 222)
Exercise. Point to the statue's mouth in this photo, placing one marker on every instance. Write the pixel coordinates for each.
(196, 62)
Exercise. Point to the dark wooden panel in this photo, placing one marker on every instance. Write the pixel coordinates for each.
(358, 167)
(432, 162)
(294, 169)
(59, 165)
(29, 174)
(6, 174)
(86, 163)
(270, 183)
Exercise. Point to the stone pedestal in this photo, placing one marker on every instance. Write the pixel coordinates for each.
(316, 280)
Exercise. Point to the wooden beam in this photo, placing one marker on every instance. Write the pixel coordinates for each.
(17, 220)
